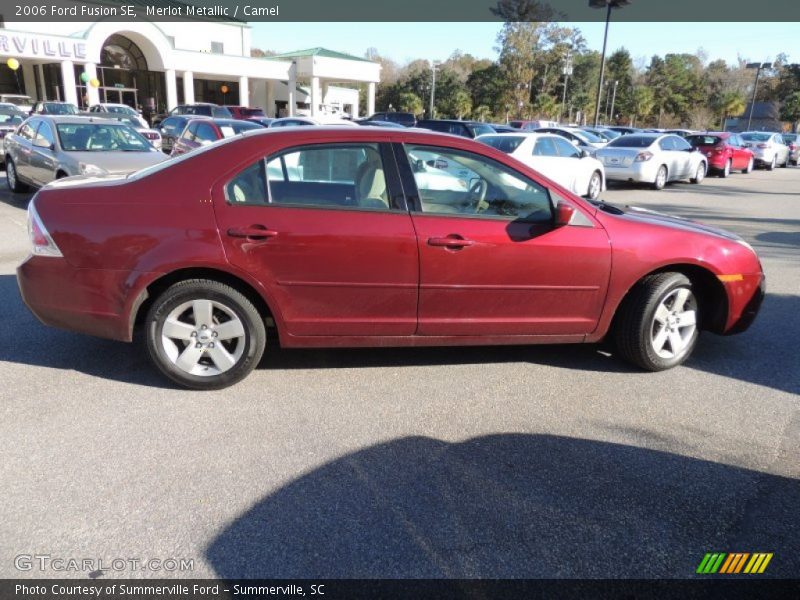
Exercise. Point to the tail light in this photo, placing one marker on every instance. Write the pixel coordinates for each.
(151, 135)
(643, 156)
(763, 146)
(43, 244)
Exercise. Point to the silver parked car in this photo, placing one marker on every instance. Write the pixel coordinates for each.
(653, 158)
(10, 119)
(767, 147)
(45, 148)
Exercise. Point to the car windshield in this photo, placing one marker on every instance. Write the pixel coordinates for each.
(504, 143)
(97, 137)
(588, 135)
(121, 110)
(756, 137)
(235, 127)
(704, 140)
(480, 129)
(57, 108)
(610, 133)
(632, 141)
(9, 118)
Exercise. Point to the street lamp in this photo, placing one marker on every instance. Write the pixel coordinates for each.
(758, 67)
(566, 71)
(608, 5)
(434, 66)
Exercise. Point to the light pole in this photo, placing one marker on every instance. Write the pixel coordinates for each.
(758, 67)
(613, 100)
(434, 66)
(608, 5)
(566, 71)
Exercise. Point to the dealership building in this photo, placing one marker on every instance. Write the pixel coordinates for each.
(158, 65)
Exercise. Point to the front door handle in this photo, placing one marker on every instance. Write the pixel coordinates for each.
(253, 232)
(452, 241)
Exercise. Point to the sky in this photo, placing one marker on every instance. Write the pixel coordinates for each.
(403, 42)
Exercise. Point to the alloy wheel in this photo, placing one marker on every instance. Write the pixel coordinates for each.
(203, 337)
(11, 174)
(674, 323)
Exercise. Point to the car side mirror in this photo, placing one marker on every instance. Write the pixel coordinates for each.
(40, 143)
(584, 154)
(564, 214)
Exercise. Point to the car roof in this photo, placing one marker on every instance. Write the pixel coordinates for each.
(77, 119)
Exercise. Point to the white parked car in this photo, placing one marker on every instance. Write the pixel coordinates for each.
(580, 137)
(653, 158)
(768, 148)
(19, 101)
(115, 110)
(554, 157)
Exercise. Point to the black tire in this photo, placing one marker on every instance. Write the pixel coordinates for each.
(17, 186)
(660, 182)
(635, 322)
(253, 339)
(595, 183)
(771, 166)
(750, 166)
(700, 174)
(727, 169)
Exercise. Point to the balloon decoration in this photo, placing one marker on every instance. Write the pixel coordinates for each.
(223, 89)
(95, 83)
(12, 64)
(85, 77)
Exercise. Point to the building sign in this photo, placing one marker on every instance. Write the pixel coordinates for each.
(27, 46)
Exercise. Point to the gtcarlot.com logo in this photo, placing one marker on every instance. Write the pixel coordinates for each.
(732, 563)
(46, 562)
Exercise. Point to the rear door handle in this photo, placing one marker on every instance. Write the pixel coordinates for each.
(253, 232)
(452, 241)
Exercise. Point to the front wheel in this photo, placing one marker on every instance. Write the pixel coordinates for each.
(726, 170)
(204, 335)
(657, 323)
(700, 174)
(661, 178)
(595, 185)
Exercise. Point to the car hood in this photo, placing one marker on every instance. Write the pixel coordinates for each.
(120, 163)
(652, 217)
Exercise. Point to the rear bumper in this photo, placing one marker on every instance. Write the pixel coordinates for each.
(745, 298)
(642, 172)
(89, 301)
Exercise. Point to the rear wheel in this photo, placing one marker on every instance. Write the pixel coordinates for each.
(595, 185)
(204, 335)
(749, 167)
(14, 184)
(657, 323)
(661, 178)
(771, 166)
(726, 170)
(699, 174)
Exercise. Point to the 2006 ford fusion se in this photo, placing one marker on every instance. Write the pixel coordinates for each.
(345, 237)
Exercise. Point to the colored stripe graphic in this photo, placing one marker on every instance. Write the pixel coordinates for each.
(734, 563)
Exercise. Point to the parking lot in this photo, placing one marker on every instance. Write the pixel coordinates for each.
(547, 461)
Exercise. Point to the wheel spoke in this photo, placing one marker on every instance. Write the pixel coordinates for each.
(230, 329)
(189, 357)
(660, 339)
(221, 357)
(202, 310)
(662, 312)
(177, 330)
(680, 299)
(687, 318)
(675, 342)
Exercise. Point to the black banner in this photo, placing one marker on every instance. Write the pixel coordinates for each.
(712, 11)
(402, 589)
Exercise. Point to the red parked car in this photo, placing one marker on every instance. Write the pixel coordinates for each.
(245, 112)
(336, 237)
(204, 131)
(725, 151)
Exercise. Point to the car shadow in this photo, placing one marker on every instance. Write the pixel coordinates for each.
(511, 506)
(765, 355)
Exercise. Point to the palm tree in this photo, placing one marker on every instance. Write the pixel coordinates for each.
(731, 103)
(545, 106)
(481, 113)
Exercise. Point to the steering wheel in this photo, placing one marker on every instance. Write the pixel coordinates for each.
(476, 195)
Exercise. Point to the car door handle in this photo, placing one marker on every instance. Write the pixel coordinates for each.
(451, 241)
(254, 232)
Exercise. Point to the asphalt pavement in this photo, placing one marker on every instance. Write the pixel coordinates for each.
(547, 461)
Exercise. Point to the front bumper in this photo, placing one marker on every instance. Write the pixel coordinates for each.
(745, 298)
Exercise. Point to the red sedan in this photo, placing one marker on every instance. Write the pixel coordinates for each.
(205, 131)
(726, 151)
(334, 237)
